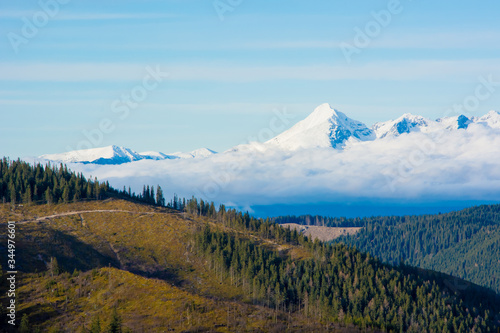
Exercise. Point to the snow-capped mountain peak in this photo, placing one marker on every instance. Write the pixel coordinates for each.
(491, 119)
(324, 127)
(198, 153)
(454, 123)
(405, 124)
(105, 155)
(119, 155)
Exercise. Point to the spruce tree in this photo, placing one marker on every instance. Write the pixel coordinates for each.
(48, 196)
(27, 196)
(115, 326)
(78, 195)
(12, 191)
(24, 327)
(160, 200)
(65, 195)
(90, 192)
(152, 195)
(96, 325)
(53, 267)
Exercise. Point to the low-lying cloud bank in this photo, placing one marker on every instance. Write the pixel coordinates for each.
(461, 165)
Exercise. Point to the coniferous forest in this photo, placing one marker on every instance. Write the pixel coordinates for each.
(465, 243)
(23, 183)
(340, 284)
(271, 267)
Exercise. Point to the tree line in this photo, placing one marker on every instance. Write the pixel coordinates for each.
(23, 183)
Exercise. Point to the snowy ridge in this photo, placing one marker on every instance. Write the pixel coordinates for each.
(453, 123)
(409, 123)
(115, 155)
(155, 155)
(491, 119)
(106, 155)
(198, 153)
(405, 124)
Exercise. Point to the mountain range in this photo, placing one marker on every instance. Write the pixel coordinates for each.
(119, 155)
(326, 164)
(325, 127)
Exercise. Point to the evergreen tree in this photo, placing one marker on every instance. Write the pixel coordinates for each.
(95, 327)
(78, 194)
(27, 196)
(12, 191)
(48, 196)
(160, 200)
(66, 194)
(24, 327)
(152, 196)
(53, 267)
(115, 326)
(90, 188)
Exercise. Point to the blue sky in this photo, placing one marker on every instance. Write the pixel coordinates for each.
(229, 70)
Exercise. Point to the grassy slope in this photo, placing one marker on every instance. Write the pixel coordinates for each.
(140, 261)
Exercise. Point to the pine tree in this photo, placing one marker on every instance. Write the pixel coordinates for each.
(24, 327)
(96, 188)
(78, 194)
(65, 195)
(96, 325)
(27, 195)
(115, 326)
(160, 200)
(90, 192)
(53, 267)
(48, 196)
(152, 195)
(12, 191)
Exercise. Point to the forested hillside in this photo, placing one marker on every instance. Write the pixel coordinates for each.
(339, 284)
(111, 265)
(465, 243)
(21, 182)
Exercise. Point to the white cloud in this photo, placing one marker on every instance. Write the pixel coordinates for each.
(462, 165)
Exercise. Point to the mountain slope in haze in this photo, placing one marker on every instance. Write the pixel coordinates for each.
(325, 127)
